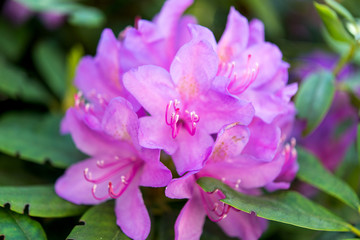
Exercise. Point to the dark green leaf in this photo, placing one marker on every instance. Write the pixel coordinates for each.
(15, 226)
(358, 142)
(340, 9)
(15, 84)
(312, 172)
(332, 23)
(99, 222)
(36, 138)
(286, 207)
(50, 62)
(314, 98)
(42, 201)
(13, 40)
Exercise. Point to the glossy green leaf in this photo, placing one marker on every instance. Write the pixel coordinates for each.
(50, 62)
(36, 138)
(286, 207)
(13, 40)
(312, 172)
(40, 201)
(15, 226)
(16, 85)
(340, 9)
(332, 23)
(314, 98)
(99, 222)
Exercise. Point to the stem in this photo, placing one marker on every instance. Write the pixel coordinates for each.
(345, 59)
(355, 230)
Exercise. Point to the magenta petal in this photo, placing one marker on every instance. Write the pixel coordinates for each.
(184, 36)
(235, 37)
(155, 175)
(131, 213)
(230, 142)
(155, 134)
(181, 187)
(256, 32)
(192, 151)
(120, 121)
(200, 33)
(193, 69)
(191, 219)
(86, 139)
(259, 146)
(243, 225)
(152, 87)
(73, 186)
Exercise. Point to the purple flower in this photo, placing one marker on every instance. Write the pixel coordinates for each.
(185, 110)
(330, 141)
(117, 166)
(238, 159)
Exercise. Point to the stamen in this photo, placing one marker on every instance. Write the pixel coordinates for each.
(88, 175)
(215, 209)
(96, 197)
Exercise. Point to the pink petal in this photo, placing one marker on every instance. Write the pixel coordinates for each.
(235, 37)
(264, 140)
(192, 151)
(256, 32)
(131, 213)
(155, 134)
(181, 187)
(155, 175)
(184, 36)
(73, 186)
(191, 219)
(152, 87)
(200, 33)
(243, 225)
(230, 142)
(193, 69)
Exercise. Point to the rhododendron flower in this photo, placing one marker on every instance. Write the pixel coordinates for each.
(117, 166)
(185, 110)
(243, 166)
(330, 141)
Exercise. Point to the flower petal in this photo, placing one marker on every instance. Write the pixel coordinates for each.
(181, 187)
(131, 213)
(152, 87)
(235, 37)
(155, 174)
(200, 33)
(191, 219)
(243, 225)
(256, 32)
(193, 69)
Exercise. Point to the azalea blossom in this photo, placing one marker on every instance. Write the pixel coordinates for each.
(233, 161)
(184, 108)
(117, 165)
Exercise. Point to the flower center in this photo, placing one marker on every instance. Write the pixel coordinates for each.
(112, 176)
(176, 118)
(237, 84)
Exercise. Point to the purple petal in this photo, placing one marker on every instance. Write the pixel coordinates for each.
(256, 32)
(131, 213)
(155, 175)
(181, 187)
(230, 142)
(152, 87)
(235, 37)
(193, 69)
(200, 33)
(192, 151)
(191, 219)
(73, 186)
(155, 134)
(184, 36)
(264, 140)
(243, 225)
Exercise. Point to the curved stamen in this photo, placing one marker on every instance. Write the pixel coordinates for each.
(123, 186)
(88, 174)
(93, 190)
(102, 164)
(216, 210)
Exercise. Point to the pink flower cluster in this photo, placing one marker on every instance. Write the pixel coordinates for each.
(219, 109)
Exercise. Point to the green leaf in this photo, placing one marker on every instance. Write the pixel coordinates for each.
(15, 84)
(358, 141)
(13, 40)
(88, 16)
(99, 222)
(36, 138)
(340, 9)
(286, 207)
(311, 171)
(50, 61)
(314, 98)
(41, 201)
(332, 23)
(15, 226)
